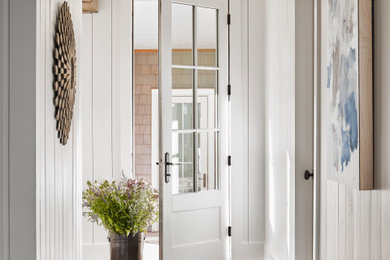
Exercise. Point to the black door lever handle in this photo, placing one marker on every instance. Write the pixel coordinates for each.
(167, 163)
(167, 168)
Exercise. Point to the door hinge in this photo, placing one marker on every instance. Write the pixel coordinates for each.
(229, 160)
(229, 90)
(229, 19)
(229, 231)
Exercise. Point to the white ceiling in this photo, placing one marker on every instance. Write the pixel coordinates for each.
(146, 26)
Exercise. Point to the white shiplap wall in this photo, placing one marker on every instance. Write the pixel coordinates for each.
(280, 127)
(58, 167)
(271, 96)
(40, 193)
(248, 133)
(39, 208)
(107, 105)
(356, 224)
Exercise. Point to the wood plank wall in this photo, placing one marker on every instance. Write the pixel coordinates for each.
(58, 183)
(248, 133)
(107, 105)
(356, 224)
(280, 129)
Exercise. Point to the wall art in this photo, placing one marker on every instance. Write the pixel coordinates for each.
(349, 93)
(64, 72)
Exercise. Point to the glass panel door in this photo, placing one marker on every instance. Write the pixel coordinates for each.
(193, 120)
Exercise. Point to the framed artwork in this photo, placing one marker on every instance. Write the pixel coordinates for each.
(349, 94)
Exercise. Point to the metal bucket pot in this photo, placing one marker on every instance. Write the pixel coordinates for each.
(127, 248)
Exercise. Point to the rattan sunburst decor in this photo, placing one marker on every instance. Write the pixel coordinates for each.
(64, 72)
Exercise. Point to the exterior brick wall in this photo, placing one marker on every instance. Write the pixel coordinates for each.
(146, 79)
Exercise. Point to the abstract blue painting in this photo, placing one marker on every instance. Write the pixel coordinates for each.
(342, 91)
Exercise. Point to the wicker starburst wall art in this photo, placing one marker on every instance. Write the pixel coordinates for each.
(64, 72)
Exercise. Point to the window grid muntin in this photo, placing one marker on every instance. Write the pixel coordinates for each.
(196, 129)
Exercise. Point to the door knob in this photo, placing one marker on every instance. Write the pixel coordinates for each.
(308, 174)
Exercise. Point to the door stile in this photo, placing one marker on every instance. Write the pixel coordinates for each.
(164, 95)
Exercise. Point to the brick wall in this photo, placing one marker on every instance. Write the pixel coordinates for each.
(146, 79)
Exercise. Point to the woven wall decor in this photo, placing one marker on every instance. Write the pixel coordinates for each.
(64, 72)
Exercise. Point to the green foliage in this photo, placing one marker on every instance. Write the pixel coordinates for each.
(123, 208)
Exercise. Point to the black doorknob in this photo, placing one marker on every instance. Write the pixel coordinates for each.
(308, 175)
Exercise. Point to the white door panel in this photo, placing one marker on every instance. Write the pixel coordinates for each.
(194, 212)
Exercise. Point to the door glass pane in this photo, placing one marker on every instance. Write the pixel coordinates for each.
(207, 161)
(206, 36)
(195, 135)
(182, 97)
(182, 158)
(207, 98)
(182, 35)
(182, 115)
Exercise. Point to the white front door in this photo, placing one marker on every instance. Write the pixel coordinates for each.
(194, 141)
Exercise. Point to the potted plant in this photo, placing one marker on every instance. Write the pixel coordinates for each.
(126, 209)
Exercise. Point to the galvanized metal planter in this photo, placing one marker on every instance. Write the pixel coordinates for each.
(127, 248)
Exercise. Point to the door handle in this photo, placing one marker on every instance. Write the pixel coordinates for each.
(167, 163)
(308, 174)
(167, 170)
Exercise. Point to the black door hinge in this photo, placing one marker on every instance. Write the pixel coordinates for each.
(229, 160)
(229, 231)
(229, 90)
(229, 19)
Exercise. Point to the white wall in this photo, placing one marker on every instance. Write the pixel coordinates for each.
(17, 129)
(280, 125)
(304, 82)
(39, 198)
(356, 224)
(107, 105)
(248, 133)
(272, 129)
(4, 89)
(58, 208)
(22, 106)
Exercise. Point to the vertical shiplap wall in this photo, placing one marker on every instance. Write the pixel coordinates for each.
(280, 125)
(248, 132)
(272, 129)
(356, 224)
(32, 212)
(107, 105)
(58, 181)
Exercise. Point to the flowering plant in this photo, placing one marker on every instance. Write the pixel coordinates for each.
(125, 207)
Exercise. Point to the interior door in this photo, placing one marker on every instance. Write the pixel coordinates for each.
(193, 130)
